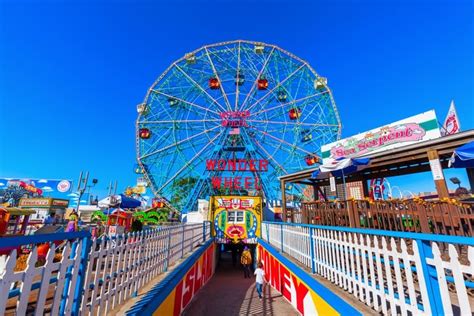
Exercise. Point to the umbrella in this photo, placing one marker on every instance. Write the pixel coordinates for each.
(340, 167)
(463, 157)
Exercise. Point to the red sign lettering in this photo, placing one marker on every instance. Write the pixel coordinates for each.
(301, 291)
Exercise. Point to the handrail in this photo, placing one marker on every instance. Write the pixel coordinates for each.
(387, 233)
(41, 238)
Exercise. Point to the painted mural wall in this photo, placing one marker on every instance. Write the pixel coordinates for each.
(306, 295)
(193, 280)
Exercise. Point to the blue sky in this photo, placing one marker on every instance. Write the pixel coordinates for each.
(72, 73)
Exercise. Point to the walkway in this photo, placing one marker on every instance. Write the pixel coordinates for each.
(228, 293)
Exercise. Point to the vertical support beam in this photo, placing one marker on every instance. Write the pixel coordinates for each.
(67, 281)
(167, 262)
(311, 244)
(354, 219)
(470, 177)
(268, 231)
(441, 186)
(431, 279)
(281, 237)
(204, 231)
(78, 291)
(315, 192)
(182, 243)
(365, 187)
(283, 199)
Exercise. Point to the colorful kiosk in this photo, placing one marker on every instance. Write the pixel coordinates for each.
(44, 206)
(14, 221)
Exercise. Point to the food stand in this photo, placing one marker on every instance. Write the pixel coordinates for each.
(44, 206)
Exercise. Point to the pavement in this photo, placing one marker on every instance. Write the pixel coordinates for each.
(229, 293)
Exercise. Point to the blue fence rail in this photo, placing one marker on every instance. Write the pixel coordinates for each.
(392, 272)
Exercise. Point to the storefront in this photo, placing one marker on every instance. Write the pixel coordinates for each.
(44, 207)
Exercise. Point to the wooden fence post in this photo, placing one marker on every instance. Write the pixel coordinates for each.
(354, 220)
(423, 217)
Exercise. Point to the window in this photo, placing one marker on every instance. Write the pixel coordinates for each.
(235, 217)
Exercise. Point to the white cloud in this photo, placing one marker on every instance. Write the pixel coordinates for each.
(83, 201)
(43, 181)
(2, 184)
(73, 194)
(47, 189)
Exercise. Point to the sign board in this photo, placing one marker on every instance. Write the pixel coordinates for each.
(436, 169)
(43, 203)
(408, 131)
(332, 183)
(116, 230)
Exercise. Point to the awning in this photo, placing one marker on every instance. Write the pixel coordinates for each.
(463, 157)
(120, 200)
(17, 211)
(340, 167)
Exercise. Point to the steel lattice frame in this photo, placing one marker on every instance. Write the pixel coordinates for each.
(183, 115)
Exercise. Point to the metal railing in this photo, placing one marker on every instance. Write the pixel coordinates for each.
(392, 272)
(89, 276)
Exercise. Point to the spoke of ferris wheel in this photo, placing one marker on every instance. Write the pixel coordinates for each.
(229, 107)
(180, 142)
(255, 81)
(184, 101)
(179, 121)
(271, 157)
(288, 103)
(276, 87)
(280, 147)
(281, 140)
(199, 86)
(237, 86)
(292, 123)
(190, 161)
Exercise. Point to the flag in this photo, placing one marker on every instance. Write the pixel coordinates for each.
(451, 123)
(234, 131)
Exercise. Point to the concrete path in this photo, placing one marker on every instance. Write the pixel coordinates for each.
(228, 293)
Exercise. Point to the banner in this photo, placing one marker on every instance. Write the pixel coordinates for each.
(414, 129)
(451, 123)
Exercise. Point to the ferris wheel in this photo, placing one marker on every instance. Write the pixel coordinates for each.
(231, 101)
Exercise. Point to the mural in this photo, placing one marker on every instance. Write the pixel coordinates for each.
(191, 280)
(306, 294)
(236, 218)
(13, 189)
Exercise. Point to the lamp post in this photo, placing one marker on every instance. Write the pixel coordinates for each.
(82, 185)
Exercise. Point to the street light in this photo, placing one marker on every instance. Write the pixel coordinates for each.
(455, 180)
(82, 185)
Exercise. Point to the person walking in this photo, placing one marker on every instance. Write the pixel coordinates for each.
(72, 224)
(259, 279)
(246, 261)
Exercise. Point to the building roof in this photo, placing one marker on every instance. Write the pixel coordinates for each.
(398, 161)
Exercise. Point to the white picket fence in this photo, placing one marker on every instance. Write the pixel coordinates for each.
(94, 276)
(394, 273)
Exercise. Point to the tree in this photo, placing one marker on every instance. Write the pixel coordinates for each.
(181, 190)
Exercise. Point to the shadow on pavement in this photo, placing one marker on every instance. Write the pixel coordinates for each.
(229, 293)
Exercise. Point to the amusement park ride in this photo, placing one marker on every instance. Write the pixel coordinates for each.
(237, 101)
